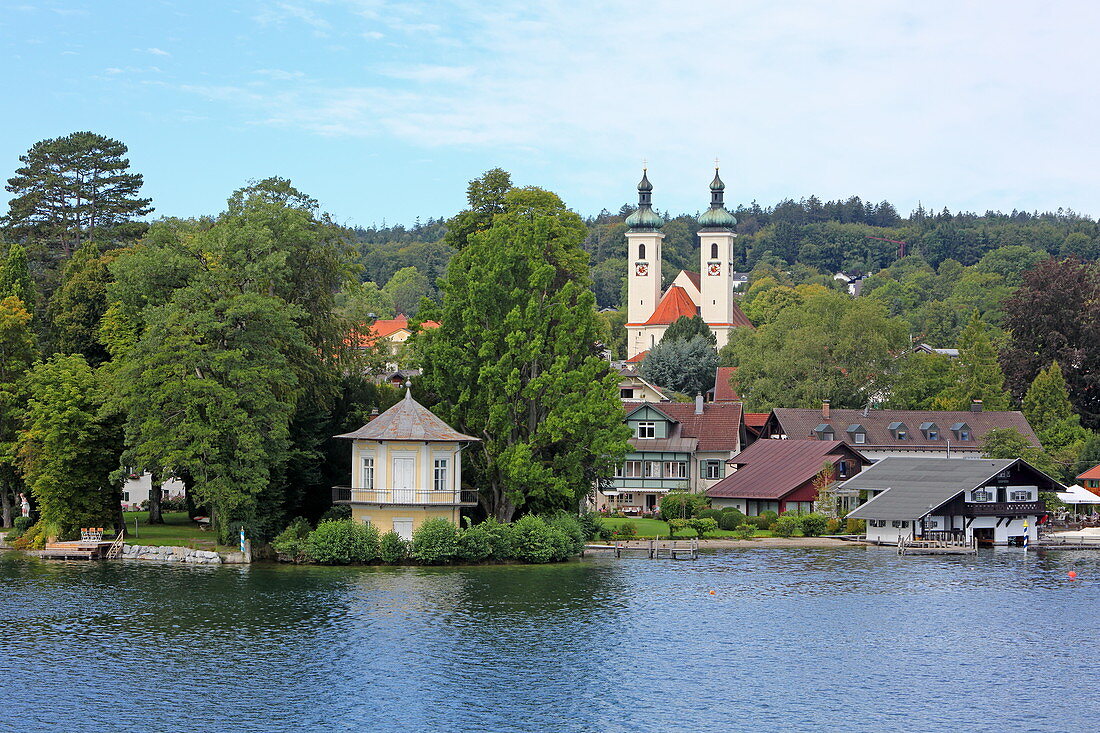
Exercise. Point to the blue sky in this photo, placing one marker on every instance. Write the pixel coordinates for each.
(384, 111)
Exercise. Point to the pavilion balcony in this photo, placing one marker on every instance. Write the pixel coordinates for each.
(408, 497)
(1005, 509)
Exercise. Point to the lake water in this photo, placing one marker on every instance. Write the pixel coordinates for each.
(851, 638)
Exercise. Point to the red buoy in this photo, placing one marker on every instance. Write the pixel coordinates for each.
(1072, 575)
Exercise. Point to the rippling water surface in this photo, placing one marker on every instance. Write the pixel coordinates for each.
(850, 638)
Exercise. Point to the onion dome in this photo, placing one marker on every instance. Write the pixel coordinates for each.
(644, 217)
(716, 217)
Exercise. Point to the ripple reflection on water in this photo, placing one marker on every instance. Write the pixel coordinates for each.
(814, 639)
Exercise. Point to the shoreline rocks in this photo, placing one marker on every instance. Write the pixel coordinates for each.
(171, 554)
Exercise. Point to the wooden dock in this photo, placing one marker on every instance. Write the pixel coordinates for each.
(84, 549)
(908, 546)
(653, 549)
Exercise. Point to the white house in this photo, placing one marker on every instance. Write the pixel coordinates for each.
(994, 501)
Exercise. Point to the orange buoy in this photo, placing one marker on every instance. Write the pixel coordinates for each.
(712, 593)
(1072, 574)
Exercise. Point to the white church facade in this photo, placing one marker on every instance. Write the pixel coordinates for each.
(708, 293)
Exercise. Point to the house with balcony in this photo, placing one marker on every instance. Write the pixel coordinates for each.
(879, 433)
(675, 446)
(990, 501)
(1090, 479)
(406, 468)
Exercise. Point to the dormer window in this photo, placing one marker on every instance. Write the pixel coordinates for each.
(647, 430)
(857, 433)
(930, 430)
(824, 431)
(899, 431)
(961, 431)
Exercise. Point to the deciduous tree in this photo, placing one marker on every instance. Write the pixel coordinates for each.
(16, 355)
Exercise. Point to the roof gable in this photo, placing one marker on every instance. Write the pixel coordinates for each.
(676, 304)
(647, 411)
(718, 427)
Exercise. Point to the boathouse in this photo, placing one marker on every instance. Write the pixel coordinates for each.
(406, 468)
(985, 500)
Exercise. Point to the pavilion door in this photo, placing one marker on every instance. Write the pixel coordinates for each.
(403, 471)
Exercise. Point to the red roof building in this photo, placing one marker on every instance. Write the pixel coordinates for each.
(780, 475)
(1090, 479)
(723, 390)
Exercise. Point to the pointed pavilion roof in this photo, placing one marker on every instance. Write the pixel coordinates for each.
(408, 420)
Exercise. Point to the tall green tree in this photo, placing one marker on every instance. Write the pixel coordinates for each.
(70, 446)
(683, 365)
(407, 286)
(16, 355)
(516, 361)
(831, 347)
(979, 375)
(1048, 410)
(1011, 443)
(686, 328)
(72, 190)
(920, 378)
(486, 196)
(77, 307)
(15, 278)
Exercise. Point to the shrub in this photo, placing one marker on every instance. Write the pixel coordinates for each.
(856, 526)
(592, 524)
(731, 518)
(626, 529)
(291, 542)
(435, 542)
(814, 524)
(709, 514)
(342, 542)
(681, 505)
(561, 542)
(676, 526)
(392, 548)
(475, 544)
(22, 524)
(771, 517)
(573, 530)
(703, 525)
(786, 525)
(760, 522)
(532, 540)
(832, 526)
(336, 511)
(745, 531)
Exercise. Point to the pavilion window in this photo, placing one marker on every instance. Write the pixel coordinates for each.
(368, 473)
(439, 482)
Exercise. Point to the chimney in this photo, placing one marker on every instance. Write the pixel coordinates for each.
(976, 406)
(825, 409)
(373, 414)
(698, 404)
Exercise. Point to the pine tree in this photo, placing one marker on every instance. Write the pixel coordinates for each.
(516, 361)
(72, 190)
(979, 374)
(1050, 413)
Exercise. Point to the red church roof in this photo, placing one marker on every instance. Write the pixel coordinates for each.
(637, 358)
(675, 304)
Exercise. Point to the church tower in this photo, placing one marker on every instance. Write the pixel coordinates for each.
(643, 256)
(716, 262)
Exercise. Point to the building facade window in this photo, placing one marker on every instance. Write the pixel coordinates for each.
(710, 469)
(859, 438)
(981, 496)
(842, 469)
(675, 469)
(641, 251)
(626, 394)
(714, 251)
(652, 469)
(901, 524)
(439, 475)
(647, 430)
(1021, 496)
(632, 469)
(368, 473)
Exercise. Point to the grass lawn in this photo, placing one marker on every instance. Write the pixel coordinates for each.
(177, 530)
(650, 528)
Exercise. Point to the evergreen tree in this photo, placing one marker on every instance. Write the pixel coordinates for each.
(682, 365)
(16, 355)
(1049, 412)
(15, 278)
(70, 446)
(516, 361)
(979, 376)
(77, 306)
(1010, 443)
(686, 328)
(72, 190)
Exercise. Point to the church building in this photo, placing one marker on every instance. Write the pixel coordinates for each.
(708, 293)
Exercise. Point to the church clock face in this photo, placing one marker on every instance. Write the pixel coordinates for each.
(714, 269)
(642, 269)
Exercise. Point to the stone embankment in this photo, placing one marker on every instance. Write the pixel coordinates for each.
(171, 554)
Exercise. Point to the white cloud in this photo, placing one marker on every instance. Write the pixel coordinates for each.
(157, 52)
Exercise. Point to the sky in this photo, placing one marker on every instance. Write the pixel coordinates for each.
(385, 110)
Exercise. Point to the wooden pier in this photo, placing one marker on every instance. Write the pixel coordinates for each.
(909, 546)
(653, 549)
(84, 549)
